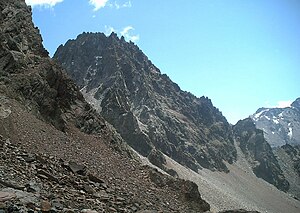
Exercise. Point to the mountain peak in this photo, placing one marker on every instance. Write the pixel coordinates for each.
(281, 125)
(145, 106)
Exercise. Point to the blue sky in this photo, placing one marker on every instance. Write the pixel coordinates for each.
(242, 54)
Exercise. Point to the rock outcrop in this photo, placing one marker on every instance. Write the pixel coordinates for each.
(259, 153)
(289, 160)
(146, 107)
(294, 154)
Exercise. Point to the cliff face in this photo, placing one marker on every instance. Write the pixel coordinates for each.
(27, 73)
(259, 153)
(47, 155)
(289, 160)
(146, 107)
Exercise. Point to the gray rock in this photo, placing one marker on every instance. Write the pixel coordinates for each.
(11, 184)
(87, 188)
(95, 179)
(47, 175)
(77, 168)
(57, 204)
(4, 196)
(22, 196)
(32, 186)
(88, 211)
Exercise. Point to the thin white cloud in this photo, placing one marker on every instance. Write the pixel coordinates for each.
(127, 4)
(46, 3)
(283, 104)
(117, 5)
(98, 4)
(108, 30)
(126, 32)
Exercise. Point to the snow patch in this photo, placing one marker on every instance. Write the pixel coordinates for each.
(275, 121)
(256, 116)
(290, 133)
(97, 59)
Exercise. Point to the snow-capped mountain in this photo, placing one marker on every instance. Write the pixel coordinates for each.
(280, 125)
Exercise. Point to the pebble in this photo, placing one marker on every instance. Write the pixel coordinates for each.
(45, 206)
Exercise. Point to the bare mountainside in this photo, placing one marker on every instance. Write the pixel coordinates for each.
(57, 153)
(150, 111)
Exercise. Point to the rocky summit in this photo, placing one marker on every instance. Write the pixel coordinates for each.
(150, 112)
